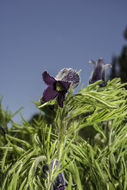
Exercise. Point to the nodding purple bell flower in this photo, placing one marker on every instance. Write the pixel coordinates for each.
(69, 75)
(56, 89)
(99, 71)
(60, 182)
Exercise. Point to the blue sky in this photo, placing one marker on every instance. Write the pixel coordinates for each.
(39, 35)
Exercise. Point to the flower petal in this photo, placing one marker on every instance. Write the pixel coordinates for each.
(60, 99)
(97, 74)
(92, 62)
(99, 71)
(68, 75)
(49, 94)
(47, 78)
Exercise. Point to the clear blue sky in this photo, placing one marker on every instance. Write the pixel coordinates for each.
(38, 35)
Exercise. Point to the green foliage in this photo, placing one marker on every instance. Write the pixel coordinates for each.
(88, 137)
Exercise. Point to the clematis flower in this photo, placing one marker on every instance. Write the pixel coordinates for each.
(56, 89)
(60, 182)
(99, 71)
(69, 75)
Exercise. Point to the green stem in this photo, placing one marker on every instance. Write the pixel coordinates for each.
(61, 139)
(61, 142)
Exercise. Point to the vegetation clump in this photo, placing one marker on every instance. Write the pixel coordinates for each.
(77, 141)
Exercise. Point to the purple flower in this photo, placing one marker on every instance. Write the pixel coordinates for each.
(69, 75)
(60, 182)
(56, 89)
(99, 71)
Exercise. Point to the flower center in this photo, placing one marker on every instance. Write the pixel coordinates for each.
(59, 87)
